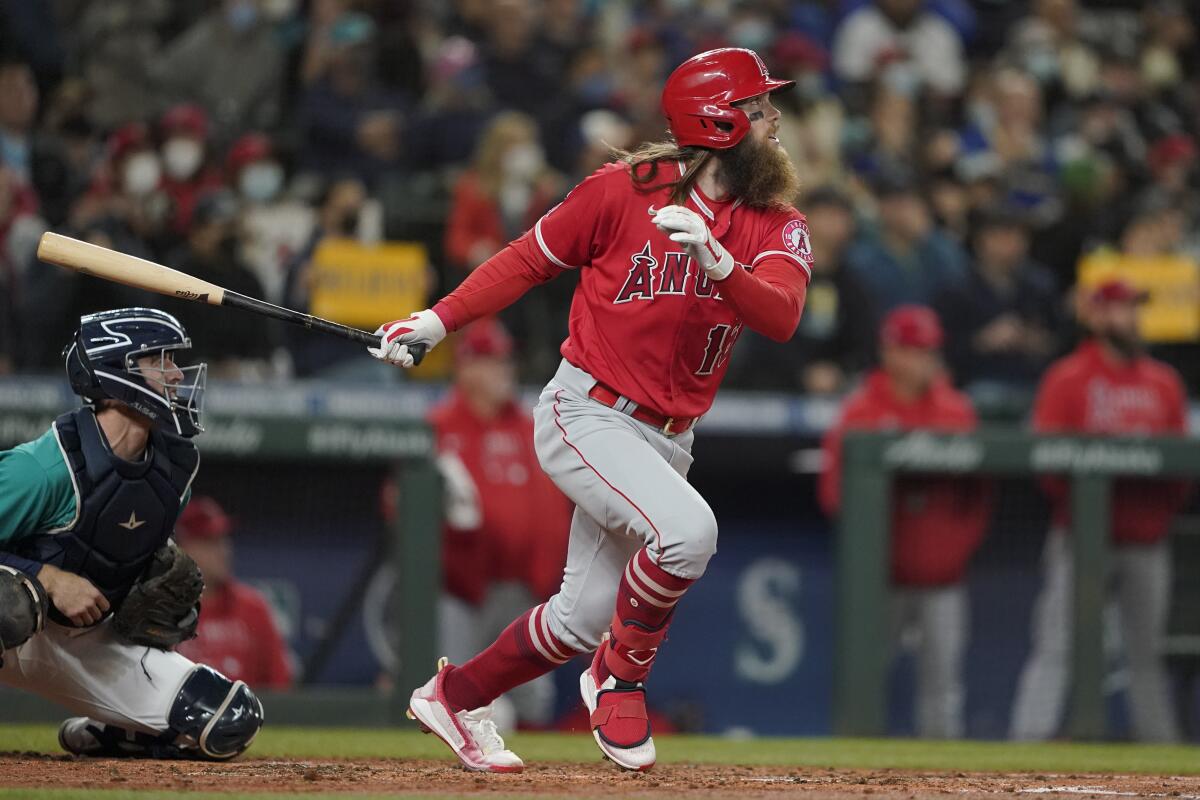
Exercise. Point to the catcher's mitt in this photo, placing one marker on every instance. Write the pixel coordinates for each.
(162, 608)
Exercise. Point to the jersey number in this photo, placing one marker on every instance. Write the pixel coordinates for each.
(715, 350)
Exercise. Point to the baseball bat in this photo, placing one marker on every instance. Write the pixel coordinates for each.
(111, 265)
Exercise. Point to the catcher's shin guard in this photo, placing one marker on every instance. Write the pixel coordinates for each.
(216, 716)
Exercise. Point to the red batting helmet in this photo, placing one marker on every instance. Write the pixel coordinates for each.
(699, 95)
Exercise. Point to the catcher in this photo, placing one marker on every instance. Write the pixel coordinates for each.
(93, 592)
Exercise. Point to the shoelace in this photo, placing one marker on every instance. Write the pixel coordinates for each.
(484, 730)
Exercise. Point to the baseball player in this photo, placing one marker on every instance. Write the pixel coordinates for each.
(1108, 386)
(678, 246)
(937, 523)
(93, 594)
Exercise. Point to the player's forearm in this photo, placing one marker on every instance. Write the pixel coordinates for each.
(495, 284)
(768, 300)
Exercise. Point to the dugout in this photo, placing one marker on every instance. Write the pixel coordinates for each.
(870, 463)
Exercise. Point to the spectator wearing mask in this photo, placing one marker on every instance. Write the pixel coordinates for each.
(183, 130)
(937, 522)
(339, 209)
(1004, 323)
(505, 534)
(507, 188)
(274, 226)
(235, 346)
(237, 634)
(907, 259)
(1108, 387)
(504, 193)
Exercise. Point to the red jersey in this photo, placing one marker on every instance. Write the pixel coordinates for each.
(937, 523)
(645, 320)
(238, 637)
(1086, 392)
(523, 517)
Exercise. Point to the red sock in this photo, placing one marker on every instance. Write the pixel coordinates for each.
(646, 599)
(524, 651)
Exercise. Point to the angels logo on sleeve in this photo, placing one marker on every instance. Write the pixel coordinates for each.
(795, 239)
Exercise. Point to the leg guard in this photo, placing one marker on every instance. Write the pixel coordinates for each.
(23, 606)
(217, 716)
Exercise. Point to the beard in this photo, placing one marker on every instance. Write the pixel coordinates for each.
(760, 173)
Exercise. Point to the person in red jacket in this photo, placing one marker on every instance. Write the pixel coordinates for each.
(237, 633)
(505, 534)
(937, 523)
(1108, 386)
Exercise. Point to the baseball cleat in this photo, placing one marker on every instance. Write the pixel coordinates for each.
(619, 720)
(82, 736)
(471, 735)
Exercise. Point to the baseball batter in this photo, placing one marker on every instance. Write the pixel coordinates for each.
(1108, 386)
(93, 594)
(679, 246)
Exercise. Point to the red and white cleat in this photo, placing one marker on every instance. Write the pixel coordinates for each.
(471, 735)
(620, 724)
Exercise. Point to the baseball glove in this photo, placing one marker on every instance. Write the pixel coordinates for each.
(162, 608)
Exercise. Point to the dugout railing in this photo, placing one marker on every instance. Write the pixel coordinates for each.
(870, 463)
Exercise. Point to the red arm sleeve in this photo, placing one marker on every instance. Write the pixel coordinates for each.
(560, 240)
(770, 299)
(496, 284)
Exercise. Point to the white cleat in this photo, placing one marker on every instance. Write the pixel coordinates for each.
(621, 726)
(472, 735)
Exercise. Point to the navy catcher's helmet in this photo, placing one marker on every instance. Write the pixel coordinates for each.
(102, 364)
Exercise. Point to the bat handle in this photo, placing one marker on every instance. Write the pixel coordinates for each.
(417, 351)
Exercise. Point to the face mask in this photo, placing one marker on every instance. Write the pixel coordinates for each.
(242, 16)
(523, 162)
(260, 182)
(141, 175)
(182, 157)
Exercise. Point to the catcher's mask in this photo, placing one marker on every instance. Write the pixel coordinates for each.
(102, 364)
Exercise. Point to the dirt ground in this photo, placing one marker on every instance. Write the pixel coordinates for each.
(583, 780)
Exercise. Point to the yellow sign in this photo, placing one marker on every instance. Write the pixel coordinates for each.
(1172, 313)
(364, 286)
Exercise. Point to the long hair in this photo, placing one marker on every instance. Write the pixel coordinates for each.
(505, 129)
(645, 161)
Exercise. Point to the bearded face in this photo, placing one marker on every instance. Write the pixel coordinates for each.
(759, 171)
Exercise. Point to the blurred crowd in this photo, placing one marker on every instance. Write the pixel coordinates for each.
(961, 154)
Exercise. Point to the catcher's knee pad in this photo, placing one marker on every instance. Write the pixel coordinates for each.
(219, 716)
(23, 606)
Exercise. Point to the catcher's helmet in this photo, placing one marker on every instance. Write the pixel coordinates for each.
(698, 97)
(102, 364)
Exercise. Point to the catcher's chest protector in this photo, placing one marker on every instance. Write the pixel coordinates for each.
(125, 510)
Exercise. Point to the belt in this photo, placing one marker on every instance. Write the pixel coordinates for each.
(667, 426)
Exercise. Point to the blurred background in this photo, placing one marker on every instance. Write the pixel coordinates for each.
(1002, 163)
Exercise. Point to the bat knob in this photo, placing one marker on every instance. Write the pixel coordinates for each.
(417, 351)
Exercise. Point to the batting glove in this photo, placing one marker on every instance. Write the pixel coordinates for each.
(686, 227)
(423, 327)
